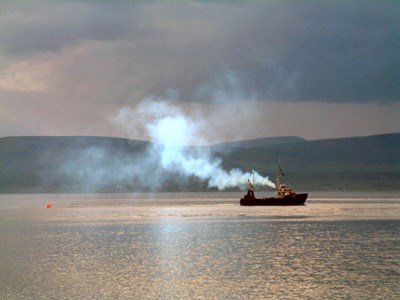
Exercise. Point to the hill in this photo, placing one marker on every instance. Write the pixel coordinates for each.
(357, 163)
(103, 164)
(261, 142)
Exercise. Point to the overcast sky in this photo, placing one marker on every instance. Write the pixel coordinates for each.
(314, 69)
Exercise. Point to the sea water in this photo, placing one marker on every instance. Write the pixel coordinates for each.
(199, 246)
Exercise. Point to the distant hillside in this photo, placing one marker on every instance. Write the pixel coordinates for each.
(62, 164)
(359, 163)
(102, 164)
(261, 142)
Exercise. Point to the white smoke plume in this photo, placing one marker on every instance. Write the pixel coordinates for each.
(173, 134)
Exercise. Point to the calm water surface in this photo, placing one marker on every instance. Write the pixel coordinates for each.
(199, 246)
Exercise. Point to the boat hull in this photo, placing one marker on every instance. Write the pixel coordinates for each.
(298, 199)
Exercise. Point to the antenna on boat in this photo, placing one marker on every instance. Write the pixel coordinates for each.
(278, 174)
(281, 174)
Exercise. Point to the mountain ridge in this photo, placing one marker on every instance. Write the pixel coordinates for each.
(48, 164)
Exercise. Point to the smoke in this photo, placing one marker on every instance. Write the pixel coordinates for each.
(173, 134)
(107, 167)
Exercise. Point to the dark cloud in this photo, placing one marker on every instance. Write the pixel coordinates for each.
(337, 51)
(347, 53)
(42, 26)
(332, 52)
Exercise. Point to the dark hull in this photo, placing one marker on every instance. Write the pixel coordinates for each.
(298, 199)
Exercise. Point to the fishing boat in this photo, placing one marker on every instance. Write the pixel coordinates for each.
(284, 195)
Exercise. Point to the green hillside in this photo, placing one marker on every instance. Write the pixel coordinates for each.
(102, 164)
(359, 163)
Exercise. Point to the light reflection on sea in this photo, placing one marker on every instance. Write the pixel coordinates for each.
(191, 246)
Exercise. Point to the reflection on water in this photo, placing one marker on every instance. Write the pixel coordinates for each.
(197, 247)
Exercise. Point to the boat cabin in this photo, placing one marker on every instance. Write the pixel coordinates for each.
(283, 191)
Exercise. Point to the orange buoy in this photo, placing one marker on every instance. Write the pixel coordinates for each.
(48, 205)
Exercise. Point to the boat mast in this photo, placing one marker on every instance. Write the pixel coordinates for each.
(278, 176)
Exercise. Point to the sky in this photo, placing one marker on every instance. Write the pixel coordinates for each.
(235, 69)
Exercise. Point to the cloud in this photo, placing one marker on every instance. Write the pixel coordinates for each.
(333, 52)
(31, 27)
(77, 63)
(25, 77)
